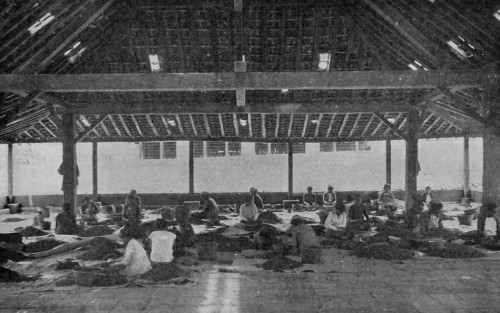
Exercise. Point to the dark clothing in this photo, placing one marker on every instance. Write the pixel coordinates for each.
(309, 198)
(357, 211)
(66, 223)
(60, 170)
(329, 197)
(185, 238)
(257, 200)
(303, 237)
(210, 210)
(132, 209)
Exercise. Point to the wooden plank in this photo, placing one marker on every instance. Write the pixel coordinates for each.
(235, 123)
(396, 119)
(377, 128)
(69, 168)
(466, 184)
(48, 130)
(222, 126)
(443, 122)
(411, 160)
(19, 107)
(367, 125)
(150, 122)
(316, 131)
(136, 125)
(330, 126)
(207, 125)
(263, 121)
(449, 128)
(165, 123)
(334, 80)
(432, 125)
(388, 161)
(95, 180)
(290, 170)
(115, 126)
(305, 126)
(276, 131)
(10, 172)
(181, 129)
(250, 125)
(353, 128)
(191, 166)
(91, 128)
(344, 121)
(40, 59)
(105, 128)
(289, 134)
(124, 125)
(390, 125)
(193, 125)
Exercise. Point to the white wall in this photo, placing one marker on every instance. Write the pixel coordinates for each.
(120, 168)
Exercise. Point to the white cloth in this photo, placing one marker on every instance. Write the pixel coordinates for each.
(334, 221)
(162, 243)
(249, 212)
(136, 260)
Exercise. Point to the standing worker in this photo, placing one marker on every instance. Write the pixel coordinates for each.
(132, 209)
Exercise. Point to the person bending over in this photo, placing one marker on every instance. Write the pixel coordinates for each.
(210, 209)
(309, 198)
(135, 261)
(248, 210)
(66, 221)
(161, 243)
(257, 200)
(303, 236)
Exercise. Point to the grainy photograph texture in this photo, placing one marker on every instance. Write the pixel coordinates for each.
(249, 156)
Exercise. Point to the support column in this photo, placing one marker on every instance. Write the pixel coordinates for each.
(466, 167)
(191, 166)
(95, 191)
(411, 156)
(388, 161)
(10, 169)
(69, 167)
(491, 166)
(290, 170)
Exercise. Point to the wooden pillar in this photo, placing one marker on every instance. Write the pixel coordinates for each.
(10, 173)
(466, 166)
(388, 161)
(69, 167)
(95, 189)
(290, 170)
(411, 156)
(491, 166)
(191, 166)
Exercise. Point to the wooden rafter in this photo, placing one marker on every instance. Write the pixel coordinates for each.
(150, 122)
(115, 126)
(353, 128)
(367, 125)
(276, 131)
(443, 122)
(249, 125)
(334, 80)
(103, 125)
(384, 120)
(263, 122)
(207, 125)
(432, 125)
(344, 122)
(120, 117)
(448, 128)
(377, 128)
(316, 131)
(236, 129)
(306, 120)
(19, 107)
(222, 125)
(290, 126)
(192, 124)
(181, 129)
(165, 124)
(138, 128)
(91, 128)
(328, 131)
(47, 129)
(395, 120)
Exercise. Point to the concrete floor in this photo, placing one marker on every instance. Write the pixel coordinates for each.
(420, 285)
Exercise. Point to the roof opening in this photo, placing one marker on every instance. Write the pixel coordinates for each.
(391, 120)
(47, 18)
(171, 122)
(154, 61)
(314, 121)
(416, 65)
(324, 61)
(459, 49)
(497, 15)
(73, 58)
(413, 67)
(243, 122)
(284, 90)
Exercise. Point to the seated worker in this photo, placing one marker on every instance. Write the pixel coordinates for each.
(257, 200)
(168, 214)
(185, 233)
(427, 197)
(357, 211)
(413, 215)
(488, 211)
(161, 243)
(248, 210)
(210, 209)
(309, 198)
(329, 197)
(303, 236)
(132, 209)
(386, 198)
(88, 211)
(135, 261)
(66, 221)
(433, 219)
(38, 219)
(337, 220)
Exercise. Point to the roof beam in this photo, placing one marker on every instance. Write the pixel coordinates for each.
(249, 125)
(330, 126)
(432, 125)
(290, 126)
(316, 131)
(181, 129)
(222, 126)
(306, 120)
(276, 131)
(91, 128)
(43, 56)
(367, 126)
(136, 125)
(390, 125)
(150, 122)
(344, 121)
(207, 125)
(353, 128)
(18, 107)
(124, 125)
(165, 123)
(339, 80)
(192, 125)
(263, 124)
(395, 120)
(115, 126)
(235, 123)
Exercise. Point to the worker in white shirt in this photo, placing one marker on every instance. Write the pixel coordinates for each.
(161, 243)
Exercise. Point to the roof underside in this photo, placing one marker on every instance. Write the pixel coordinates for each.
(106, 36)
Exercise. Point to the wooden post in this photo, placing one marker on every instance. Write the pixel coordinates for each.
(466, 166)
(388, 158)
(290, 170)
(191, 166)
(69, 167)
(10, 169)
(491, 167)
(411, 156)
(95, 191)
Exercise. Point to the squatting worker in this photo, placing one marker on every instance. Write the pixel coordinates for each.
(132, 209)
(66, 221)
(303, 236)
(135, 261)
